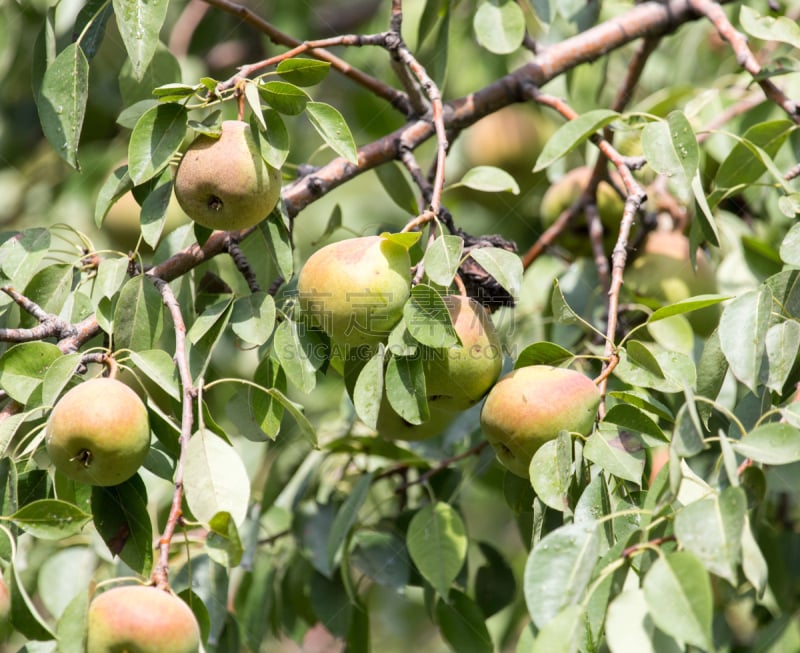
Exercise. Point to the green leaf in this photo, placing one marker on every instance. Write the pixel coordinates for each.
(223, 542)
(442, 258)
(405, 388)
(499, 25)
(208, 319)
(790, 246)
(628, 625)
(671, 149)
(754, 565)
(24, 615)
(284, 98)
(572, 134)
(58, 375)
(562, 633)
(306, 428)
(559, 569)
(156, 138)
(488, 178)
(23, 366)
(160, 368)
(686, 306)
(303, 72)
(752, 154)
(437, 543)
(678, 595)
(551, 480)
(687, 437)
(346, 517)
(769, 28)
(123, 521)
(381, 556)
(280, 243)
(95, 15)
(153, 215)
(397, 187)
(405, 239)
(296, 354)
(771, 444)
(115, 186)
(504, 266)
(62, 102)
(427, 318)
(22, 253)
(331, 126)
(742, 334)
(711, 529)
(618, 454)
(253, 317)
(215, 478)
(634, 419)
(139, 25)
(783, 346)
(462, 624)
(495, 584)
(253, 99)
(71, 625)
(138, 315)
(274, 143)
(368, 391)
(543, 353)
(51, 519)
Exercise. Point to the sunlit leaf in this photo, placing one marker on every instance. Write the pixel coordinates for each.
(330, 124)
(499, 25)
(572, 134)
(437, 544)
(62, 102)
(139, 24)
(677, 590)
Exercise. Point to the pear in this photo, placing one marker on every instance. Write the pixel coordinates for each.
(458, 377)
(141, 619)
(98, 433)
(355, 290)
(530, 405)
(563, 194)
(663, 273)
(224, 183)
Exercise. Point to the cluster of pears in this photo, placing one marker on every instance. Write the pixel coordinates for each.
(224, 183)
(355, 290)
(141, 619)
(98, 433)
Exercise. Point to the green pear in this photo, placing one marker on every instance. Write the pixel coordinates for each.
(224, 183)
(563, 194)
(141, 619)
(530, 405)
(458, 377)
(664, 273)
(98, 433)
(355, 290)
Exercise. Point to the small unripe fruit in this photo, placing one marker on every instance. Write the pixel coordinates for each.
(355, 290)
(141, 619)
(98, 433)
(663, 272)
(458, 377)
(530, 405)
(224, 183)
(563, 194)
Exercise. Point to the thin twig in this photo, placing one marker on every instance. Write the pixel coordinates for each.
(160, 574)
(391, 95)
(744, 56)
